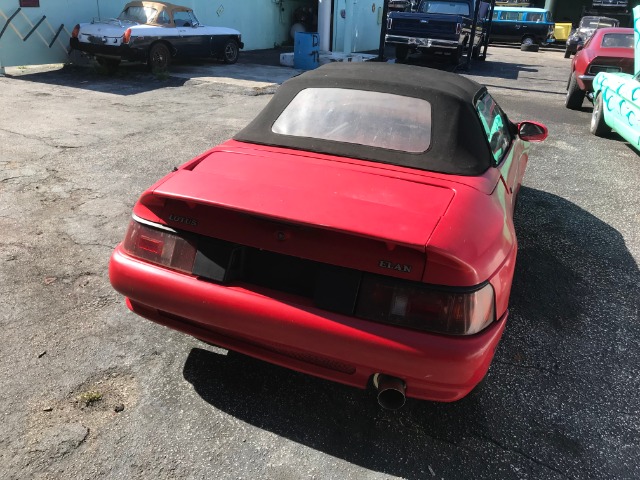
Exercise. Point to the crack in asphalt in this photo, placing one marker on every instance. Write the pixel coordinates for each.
(419, 429)
(44, 141)
(521, 453)
(528, 367)
(17, 177)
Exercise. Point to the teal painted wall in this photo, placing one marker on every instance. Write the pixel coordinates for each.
(263, 23)
(367, 29)
(14, 51)
(365, 26)
(338, 25)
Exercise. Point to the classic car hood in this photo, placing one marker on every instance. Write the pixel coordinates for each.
(360, 201)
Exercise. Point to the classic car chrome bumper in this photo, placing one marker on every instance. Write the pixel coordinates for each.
(113, 51)
(421, 42)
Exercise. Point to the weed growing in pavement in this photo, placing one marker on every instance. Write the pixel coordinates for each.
(90, 397)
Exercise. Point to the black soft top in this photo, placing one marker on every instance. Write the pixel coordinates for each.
(458, 143)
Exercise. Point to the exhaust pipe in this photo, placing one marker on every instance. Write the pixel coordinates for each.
(390, 391)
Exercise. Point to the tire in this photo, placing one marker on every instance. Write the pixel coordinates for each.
(598, 126)
(575, 96)
(109, 64)
(475, 52)
(402, 53)
(159, 58)
(456, 56)
(529, 45)
(231, 52)
(567, 53)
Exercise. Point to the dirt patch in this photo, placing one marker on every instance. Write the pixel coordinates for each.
(57, 428)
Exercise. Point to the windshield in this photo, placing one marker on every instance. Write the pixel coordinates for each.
(449, 8)
(597, 22)
(185, 19)
(138, 14)
(360, 117)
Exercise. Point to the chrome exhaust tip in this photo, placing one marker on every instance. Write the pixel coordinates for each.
(390, 391)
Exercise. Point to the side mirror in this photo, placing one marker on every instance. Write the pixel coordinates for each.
(580, 47)
(532, 131)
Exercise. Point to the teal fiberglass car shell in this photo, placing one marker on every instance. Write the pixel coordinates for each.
(616, 98)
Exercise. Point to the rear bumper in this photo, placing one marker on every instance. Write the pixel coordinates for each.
(124, 52)
(422, 43)
(585, 82)
(284, 330)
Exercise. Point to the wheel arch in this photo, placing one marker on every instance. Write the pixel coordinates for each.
(172, 49)
(226, 41)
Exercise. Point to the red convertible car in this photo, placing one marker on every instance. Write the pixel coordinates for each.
(608, 50)
(360, 229)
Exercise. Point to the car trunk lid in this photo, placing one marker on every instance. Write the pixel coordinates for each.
(620, 60)
(341, 214)
(104, 32)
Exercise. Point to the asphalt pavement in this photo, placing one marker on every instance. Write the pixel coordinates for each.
(89, 390)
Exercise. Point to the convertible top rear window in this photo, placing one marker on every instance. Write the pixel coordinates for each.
(411, 117)
(374, 119)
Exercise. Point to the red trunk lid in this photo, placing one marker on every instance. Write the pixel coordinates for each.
(623, 60)
(350, 215)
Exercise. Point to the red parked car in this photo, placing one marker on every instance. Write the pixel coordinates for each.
(359, 229)
(608, 50)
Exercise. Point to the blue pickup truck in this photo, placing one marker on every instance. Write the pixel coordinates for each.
(438, 27)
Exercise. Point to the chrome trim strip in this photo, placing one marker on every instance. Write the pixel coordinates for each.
(586, 77)
(421, 42)
(152, 224)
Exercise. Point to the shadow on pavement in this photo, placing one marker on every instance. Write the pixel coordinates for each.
(255, 70)
(556, 402)
(484, 68)
(245, 77)
(129, 79)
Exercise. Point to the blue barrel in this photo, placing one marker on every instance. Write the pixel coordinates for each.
(306, 52)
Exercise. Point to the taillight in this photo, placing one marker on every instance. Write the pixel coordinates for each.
(596, 69)
(389, 23)
(424, 307)
(76, 31)
(162, 247)
(127, 36)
